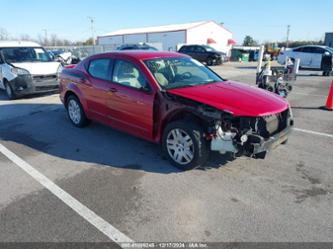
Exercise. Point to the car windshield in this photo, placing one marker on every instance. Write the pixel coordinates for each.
(25, 54)
(209, 48)
(180, 72)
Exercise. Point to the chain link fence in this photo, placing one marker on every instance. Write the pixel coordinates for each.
(85, 51)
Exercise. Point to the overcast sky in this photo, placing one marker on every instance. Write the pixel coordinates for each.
(263, 20)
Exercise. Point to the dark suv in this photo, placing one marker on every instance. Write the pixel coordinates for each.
(203, 53)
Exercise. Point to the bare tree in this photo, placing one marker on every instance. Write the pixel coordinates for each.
(25, 37)
(3, 34)
(54, 40)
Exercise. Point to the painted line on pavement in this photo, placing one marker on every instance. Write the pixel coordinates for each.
(314, 132)
(308, 94)
(102, 225)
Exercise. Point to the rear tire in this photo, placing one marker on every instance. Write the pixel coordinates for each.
(184, 145)
(75, 112)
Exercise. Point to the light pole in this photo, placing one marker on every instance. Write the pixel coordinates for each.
(92, 20)
(288, 33)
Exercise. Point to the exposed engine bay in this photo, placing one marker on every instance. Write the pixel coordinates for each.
(242, 136)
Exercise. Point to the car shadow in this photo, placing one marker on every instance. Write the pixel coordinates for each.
(45, 128)
(3, 96)
(247, 67)
(320, 108)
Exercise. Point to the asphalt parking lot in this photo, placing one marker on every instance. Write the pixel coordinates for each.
(123, 180)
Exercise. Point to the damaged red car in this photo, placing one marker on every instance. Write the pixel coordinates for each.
(173, 100)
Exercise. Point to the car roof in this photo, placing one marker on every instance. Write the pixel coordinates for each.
(143, 55)
(317, 46)
(15, 44)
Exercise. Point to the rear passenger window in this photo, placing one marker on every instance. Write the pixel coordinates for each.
(298, 50)
(199, 49)
(184, 49)
(308, 50)
(100, 68)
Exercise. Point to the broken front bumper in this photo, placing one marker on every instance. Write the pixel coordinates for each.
(270, 143)
(30, 84)
(254, 144)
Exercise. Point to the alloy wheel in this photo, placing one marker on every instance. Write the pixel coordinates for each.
(180, 146)
(74, 111)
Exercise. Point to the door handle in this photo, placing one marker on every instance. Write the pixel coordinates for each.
(113, 90)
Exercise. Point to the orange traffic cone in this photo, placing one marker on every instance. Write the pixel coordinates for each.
(329, 102)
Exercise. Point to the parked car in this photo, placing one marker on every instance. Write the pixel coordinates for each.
(26, 68)
(65, 58)
(204, 53)
(174, 100)
(311, 56)
(137, 47)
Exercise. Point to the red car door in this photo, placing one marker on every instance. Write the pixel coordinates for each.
(96, 88)
(131, 99)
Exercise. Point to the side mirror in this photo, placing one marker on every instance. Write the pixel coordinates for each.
(145, 88)
(327, 53)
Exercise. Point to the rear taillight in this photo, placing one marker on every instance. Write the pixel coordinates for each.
(70, 66)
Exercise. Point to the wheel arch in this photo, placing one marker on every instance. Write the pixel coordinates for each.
(182, 114)
(72, 89)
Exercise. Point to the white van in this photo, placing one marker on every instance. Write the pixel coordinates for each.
(26, 68)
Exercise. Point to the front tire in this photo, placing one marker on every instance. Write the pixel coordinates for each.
(210, 61)
(9, 91)
(75, 112)
(184, 145)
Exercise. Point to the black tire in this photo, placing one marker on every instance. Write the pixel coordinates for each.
(326, 73)
(9, 91)
(200, 144)
(82, 121)
(210, 61)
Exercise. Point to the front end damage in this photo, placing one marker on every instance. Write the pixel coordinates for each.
(241, 136)
(30, 84)
(251, 136)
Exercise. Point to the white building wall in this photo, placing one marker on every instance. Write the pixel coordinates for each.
(110, 40)
(172, 40)
(200, 34)
(135, 38)
(169, 40)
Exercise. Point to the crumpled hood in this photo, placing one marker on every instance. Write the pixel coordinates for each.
(234, 97)
(39, 68)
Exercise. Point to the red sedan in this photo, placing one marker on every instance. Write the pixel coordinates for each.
(171, 99)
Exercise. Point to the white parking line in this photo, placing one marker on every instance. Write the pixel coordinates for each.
(314, 132)
(308, 94)
(69, 200)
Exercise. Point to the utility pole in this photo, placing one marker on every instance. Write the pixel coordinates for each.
(45, 36)
(92, 20)
(288, 33)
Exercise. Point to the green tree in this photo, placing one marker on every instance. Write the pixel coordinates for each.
(90, 41)
(249, 41)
